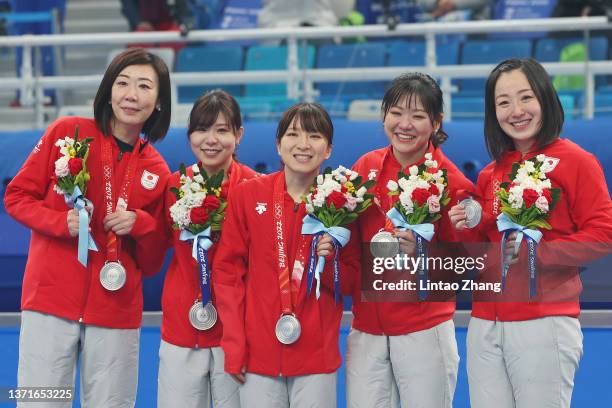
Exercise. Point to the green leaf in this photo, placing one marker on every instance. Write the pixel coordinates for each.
(76, 133)
(182, 169)
(176, 192)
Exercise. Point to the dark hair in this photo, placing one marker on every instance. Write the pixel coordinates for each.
(207, 108)
(312, 117)
(496, 139)
(157, 124)
(410, 86)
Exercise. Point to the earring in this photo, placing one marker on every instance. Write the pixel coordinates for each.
(110, 103)
(158, 107)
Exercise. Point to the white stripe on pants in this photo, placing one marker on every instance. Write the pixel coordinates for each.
(422, 366)
(188, 377)
(523, 364)
(48, 350)
(305, 391)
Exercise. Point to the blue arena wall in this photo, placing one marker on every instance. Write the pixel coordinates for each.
(465, 147)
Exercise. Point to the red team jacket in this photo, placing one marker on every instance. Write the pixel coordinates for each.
(398, 318)
(55, 282)
(581, 231)
(247, 291)
(181, 286)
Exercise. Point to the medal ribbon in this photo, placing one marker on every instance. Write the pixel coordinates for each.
(202, 242)
(113, 243)
(340, 237)
(85, 240)
(282, 255)
(532, 237)
(422, 232)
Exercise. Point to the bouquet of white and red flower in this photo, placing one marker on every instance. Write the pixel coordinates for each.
(199, 209)
(526, 203)
(70, 180)
(199, 206)
(336, 199)
(422, 195)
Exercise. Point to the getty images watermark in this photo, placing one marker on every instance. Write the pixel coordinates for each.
(412, 265)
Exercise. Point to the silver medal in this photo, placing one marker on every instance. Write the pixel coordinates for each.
(112, 276)
(202, 317)
(288, 329)
(473, 212)
(384, 245)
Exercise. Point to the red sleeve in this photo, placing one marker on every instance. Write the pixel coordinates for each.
(25, 195)
(231, 266)
(591, 211)
(151, 234)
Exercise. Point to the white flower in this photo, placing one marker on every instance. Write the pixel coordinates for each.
(57, 189)
(309, 208)
(406, 202)
(431, 163)
(61, 167)
(361, 192)
(542, 204)
(195, 168)
(540, 157)
(352, 175)
(414, 170)
(319, 179)
(547, 166)
(392, 185)
(428, 156)
(198, 178)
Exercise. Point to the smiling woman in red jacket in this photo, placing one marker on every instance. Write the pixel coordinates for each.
(190, 356)
(524, 352)
(262, 304)
(92, 313)
(403, 345)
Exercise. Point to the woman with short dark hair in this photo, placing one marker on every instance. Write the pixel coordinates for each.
(84, 303)
(281, 345)
(405, 345)
(190, 356)
(524, 344)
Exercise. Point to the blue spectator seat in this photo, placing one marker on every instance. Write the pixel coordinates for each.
(489, 52)
(208, 58)
(468, 107)
(603, 104)
(549, 50)
(260, 58)
(352, 56)
(413, 53)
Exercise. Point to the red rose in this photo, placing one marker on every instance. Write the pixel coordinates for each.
(530, 196)
(547, 195)
(211, 202)
(337, 199)
(75, 165)
(198, 215)
(432, 170)
(420, 195)
(433, 189)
